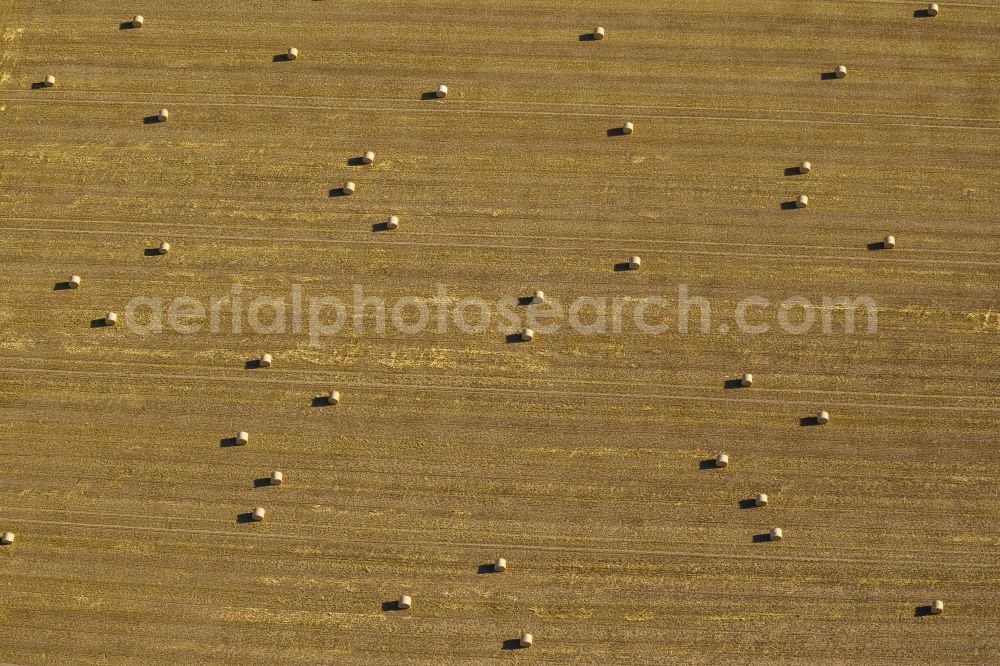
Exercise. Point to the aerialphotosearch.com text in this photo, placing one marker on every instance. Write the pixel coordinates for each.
(320, 316)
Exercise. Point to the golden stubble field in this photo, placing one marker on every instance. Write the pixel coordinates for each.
(578, 458)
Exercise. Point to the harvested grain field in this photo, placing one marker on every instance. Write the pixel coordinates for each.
(585, 458)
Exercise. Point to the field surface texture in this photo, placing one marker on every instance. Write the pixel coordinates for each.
(584, 459)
